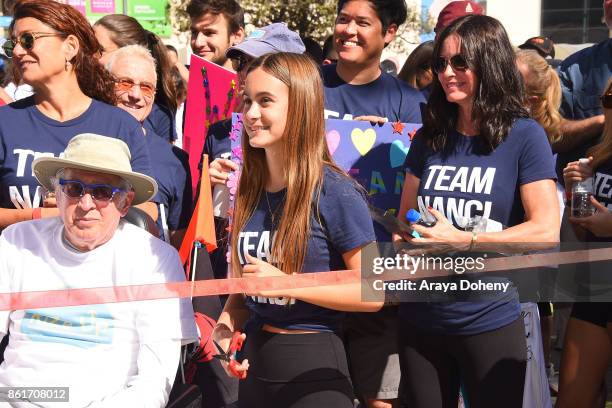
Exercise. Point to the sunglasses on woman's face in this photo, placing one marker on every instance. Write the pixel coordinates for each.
(457, 63)
(99, 192)
(606, 100)
(26, 40)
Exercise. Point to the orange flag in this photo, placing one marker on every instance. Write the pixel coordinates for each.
(202, 226)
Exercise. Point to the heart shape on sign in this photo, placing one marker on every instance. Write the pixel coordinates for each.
(397, 153)
(333, 141)
(363, 140)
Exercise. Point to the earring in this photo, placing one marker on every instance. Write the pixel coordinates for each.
(67, 64)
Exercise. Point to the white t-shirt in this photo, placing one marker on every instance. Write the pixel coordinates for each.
(115, 354)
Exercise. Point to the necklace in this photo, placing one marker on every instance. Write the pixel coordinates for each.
(272, 213)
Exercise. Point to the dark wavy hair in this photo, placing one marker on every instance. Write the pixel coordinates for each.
(125, 30)
(499, 97)
(93, 79)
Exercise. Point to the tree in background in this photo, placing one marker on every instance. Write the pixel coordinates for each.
(310, 18)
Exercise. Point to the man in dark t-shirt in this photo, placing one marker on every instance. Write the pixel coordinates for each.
(356, 89)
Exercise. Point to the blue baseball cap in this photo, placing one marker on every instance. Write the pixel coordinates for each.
(275, 37)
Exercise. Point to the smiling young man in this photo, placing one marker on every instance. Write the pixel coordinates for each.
(216, 25)
(356, 88)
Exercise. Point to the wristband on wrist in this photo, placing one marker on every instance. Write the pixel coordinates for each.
(37, 213)
(473, 241)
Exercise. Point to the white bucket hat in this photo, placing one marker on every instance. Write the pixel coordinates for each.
(96, 153)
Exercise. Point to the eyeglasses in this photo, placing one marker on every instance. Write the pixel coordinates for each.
(26, 40)
(99, 192)
(124, 85)
(240, 62)
(457, 63)
(606, 100)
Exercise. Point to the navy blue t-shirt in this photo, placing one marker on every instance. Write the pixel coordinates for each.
(462, 182)
(347, 225)
(171, 171)
(386, 97)
(217, 144)
(161, 122)
(602, 190)
(26, 134)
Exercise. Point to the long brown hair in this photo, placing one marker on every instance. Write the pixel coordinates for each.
(602, 151)
(417, 68)
(125, 30)
(543, 83)
(305, 153)
(93, 79)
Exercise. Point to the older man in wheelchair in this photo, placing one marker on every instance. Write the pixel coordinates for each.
(119, 354)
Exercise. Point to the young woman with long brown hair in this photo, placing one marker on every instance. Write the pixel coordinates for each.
(54, 50)
(296, 212)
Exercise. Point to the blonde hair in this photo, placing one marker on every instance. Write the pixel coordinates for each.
(543, 82)
(305, 154)
(602, 151)
(131, 52)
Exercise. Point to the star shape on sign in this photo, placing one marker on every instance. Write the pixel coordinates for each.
(398, 127)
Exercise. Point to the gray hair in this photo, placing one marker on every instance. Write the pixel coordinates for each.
(131, 51)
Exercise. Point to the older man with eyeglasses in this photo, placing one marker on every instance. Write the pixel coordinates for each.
(106, 354)
(133, 68)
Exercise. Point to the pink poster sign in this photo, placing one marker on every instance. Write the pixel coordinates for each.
(77, 4)
(103, 6)
(211, 97)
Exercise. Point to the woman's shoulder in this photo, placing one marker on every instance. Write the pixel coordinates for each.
(526, 125)
(20, 105)
(338, 187)
(526, 130)
(104, 110)
(334, 181)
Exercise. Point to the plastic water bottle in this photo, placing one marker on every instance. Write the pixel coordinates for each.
(413, 216)
(581, 196)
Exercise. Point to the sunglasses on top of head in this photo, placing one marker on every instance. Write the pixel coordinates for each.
(26, 40)
(99, 192)
(457, 63)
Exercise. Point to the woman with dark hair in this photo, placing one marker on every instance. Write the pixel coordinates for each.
(417, 68)
(54, 49)
(477, 154)
(115, 31)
